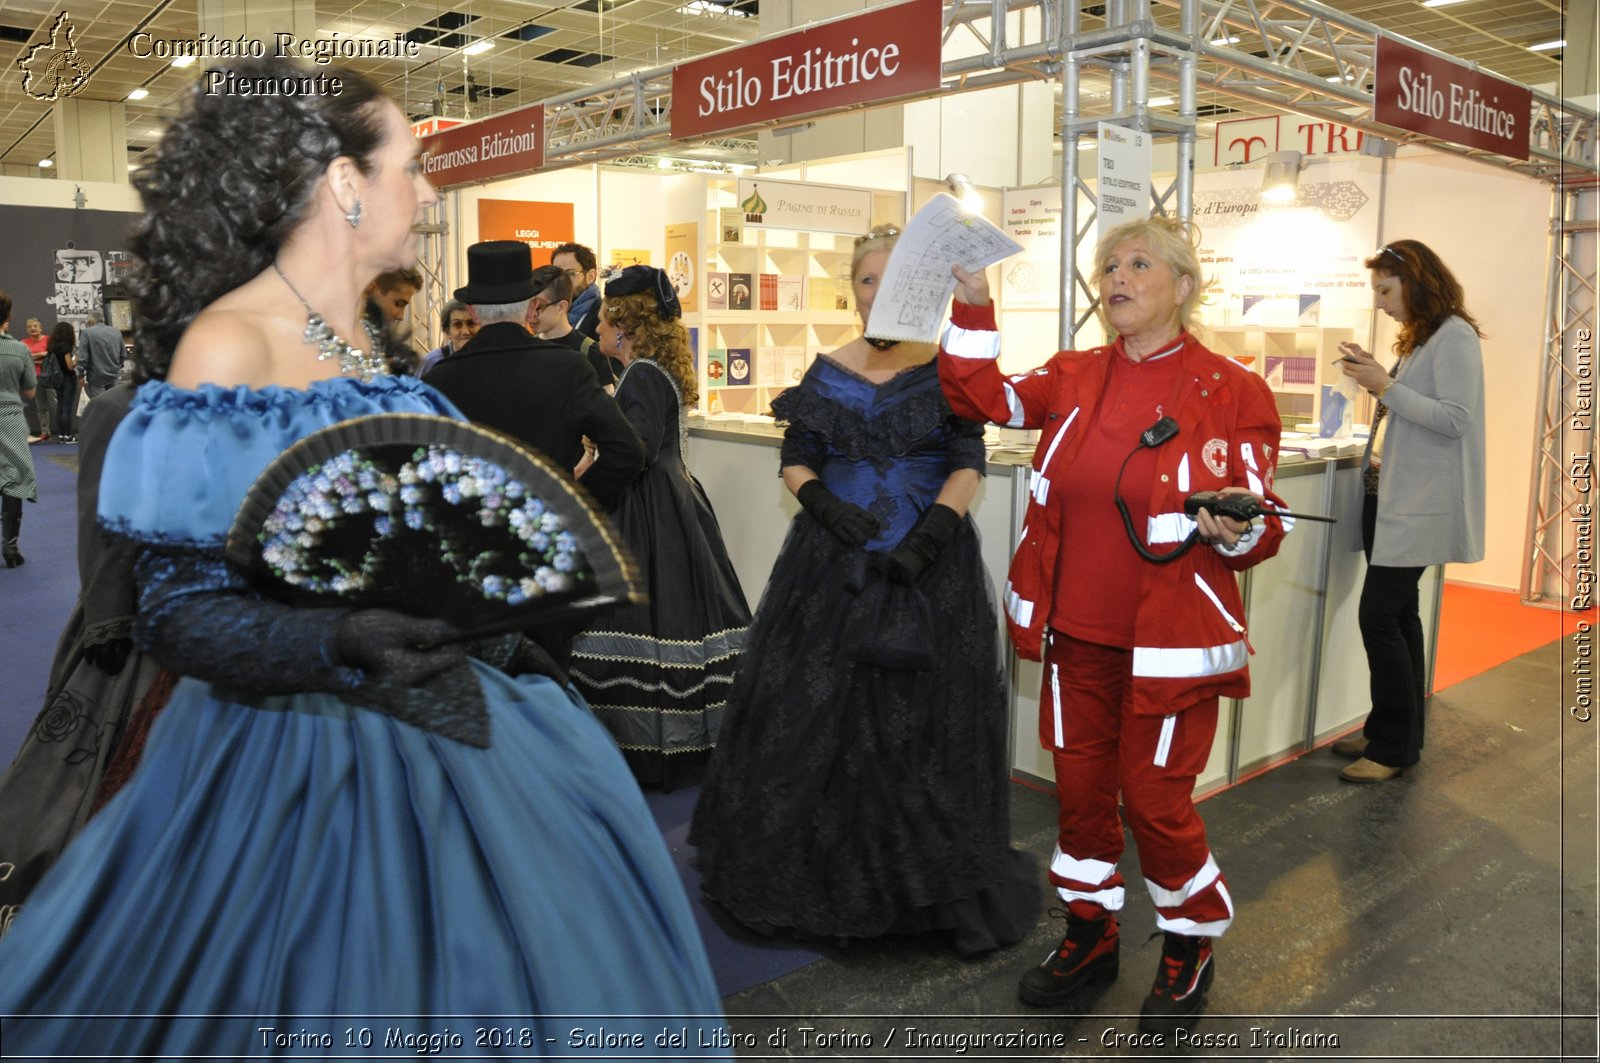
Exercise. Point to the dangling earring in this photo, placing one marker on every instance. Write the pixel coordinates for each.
(353, 215)
(619, 341)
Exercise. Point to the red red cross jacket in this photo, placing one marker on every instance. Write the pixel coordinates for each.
(1189, 630)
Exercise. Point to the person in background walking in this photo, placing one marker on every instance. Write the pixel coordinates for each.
(41, 414)
(17, 483)
(61, 373)
(100, 355)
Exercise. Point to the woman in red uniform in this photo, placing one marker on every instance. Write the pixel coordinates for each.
(1132, 680)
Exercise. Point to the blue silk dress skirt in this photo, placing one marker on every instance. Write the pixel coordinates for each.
(298, 865)
(859, 785)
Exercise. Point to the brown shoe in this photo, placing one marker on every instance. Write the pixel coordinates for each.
(1351, 746)
(1365, 770)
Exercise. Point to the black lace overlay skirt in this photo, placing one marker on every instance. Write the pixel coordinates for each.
(859, 784)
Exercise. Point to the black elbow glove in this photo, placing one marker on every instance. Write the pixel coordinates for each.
(848, 522)
(935, 530)
(384, 643)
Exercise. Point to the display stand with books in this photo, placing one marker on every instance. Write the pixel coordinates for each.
(773, 300)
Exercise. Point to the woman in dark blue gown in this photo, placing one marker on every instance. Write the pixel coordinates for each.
(291, 868)
(858, 786)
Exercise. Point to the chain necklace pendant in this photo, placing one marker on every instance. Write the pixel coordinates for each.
(329, 345)
(351, 360)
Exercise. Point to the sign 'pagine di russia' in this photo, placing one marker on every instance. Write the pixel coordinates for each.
(881, 55)
(505, 145)
(1419, 91)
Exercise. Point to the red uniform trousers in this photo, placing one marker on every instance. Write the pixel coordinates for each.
(1101, 746)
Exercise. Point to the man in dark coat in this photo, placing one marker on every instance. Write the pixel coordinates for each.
(544, 394)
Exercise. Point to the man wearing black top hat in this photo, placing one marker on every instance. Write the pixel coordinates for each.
(544, 394)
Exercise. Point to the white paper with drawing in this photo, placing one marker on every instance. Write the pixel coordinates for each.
(917, 284)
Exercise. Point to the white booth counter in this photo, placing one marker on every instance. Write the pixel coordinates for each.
(1308, 673)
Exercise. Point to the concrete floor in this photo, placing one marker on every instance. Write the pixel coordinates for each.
(1450, 914)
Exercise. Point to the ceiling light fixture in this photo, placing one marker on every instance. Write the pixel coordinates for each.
(478, 47)
(1160, 101)
(1230, 40)
(183, 61)
(138, 94)
(1547, 46)
(45, 164)
(1280, 179)
(1439, 3)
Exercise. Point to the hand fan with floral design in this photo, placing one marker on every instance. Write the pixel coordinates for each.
(432, 517)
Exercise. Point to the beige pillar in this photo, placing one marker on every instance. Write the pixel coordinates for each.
(91, 140)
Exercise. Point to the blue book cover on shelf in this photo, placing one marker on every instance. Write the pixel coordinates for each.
(741, 366)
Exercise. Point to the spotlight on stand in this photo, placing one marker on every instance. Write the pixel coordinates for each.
(961, 186)
(1280, 181)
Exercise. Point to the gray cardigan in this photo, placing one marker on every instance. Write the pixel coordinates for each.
(1431, 481)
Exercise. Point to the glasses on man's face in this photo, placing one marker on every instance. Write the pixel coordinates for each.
(575, 274)
(539, 306)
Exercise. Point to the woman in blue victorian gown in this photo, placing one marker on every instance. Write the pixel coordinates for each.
(658, 674)
(291, 868)
(859, 784)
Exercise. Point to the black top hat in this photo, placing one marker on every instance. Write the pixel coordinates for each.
(636, 279)
(498, 271)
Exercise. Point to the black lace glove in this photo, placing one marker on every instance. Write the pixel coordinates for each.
(393, 644)
(109, 656)
(935, 530)
(198, 617)
(847, 522)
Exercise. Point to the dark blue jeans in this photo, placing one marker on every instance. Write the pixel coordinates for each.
(1391, 631)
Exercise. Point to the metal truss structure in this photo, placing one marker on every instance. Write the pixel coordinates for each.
(1561, 497)
(1246, 55)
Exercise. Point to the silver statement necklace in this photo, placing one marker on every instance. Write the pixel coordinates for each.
(328, 344)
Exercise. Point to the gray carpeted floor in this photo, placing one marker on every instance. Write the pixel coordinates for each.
(1449, 914)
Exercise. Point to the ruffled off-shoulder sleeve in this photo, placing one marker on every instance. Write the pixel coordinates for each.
(183, 460)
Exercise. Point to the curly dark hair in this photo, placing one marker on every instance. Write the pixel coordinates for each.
(231, 178)
(1431, 292)
(663, 342)
(63, 339)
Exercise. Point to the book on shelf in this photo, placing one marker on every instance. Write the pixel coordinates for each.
(741, 365)
(791, 292)
(694, 348)
(716, 367)
(782, 366)
(732, 224)
(716, 291)
(820, 294)
(739, 294)
(769, 291)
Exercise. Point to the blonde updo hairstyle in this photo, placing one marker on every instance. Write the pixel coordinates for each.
(878, 238)
(656, 338)
(1173, 240)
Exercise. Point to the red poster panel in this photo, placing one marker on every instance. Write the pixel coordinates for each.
(1419, 91)
(542, 226)
(504, 145)
(881, 55)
